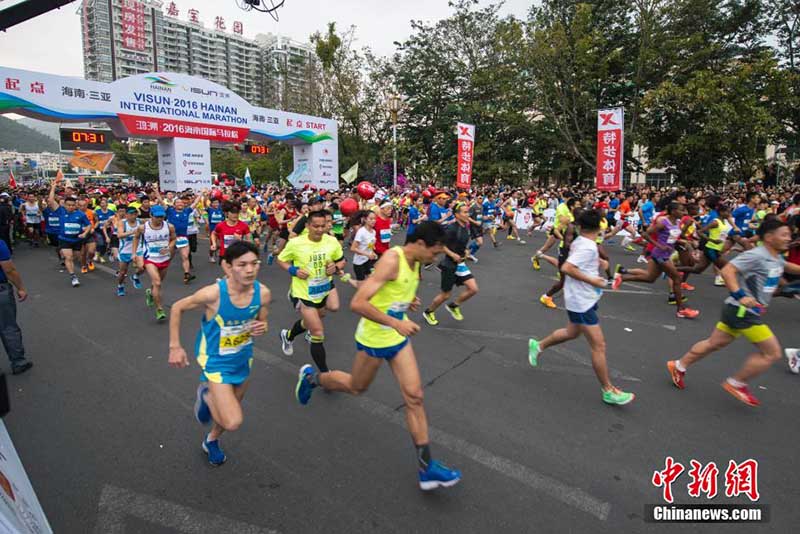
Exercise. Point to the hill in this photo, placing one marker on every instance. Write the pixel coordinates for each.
(50, 129)
(14, 136)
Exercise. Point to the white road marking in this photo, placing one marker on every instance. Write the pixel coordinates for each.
(569, 495)
(116, 504)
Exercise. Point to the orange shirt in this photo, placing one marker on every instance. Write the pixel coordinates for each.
(90, 214)
(625, 208)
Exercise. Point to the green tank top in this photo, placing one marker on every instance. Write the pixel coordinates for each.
(393, 298)
(720, 232)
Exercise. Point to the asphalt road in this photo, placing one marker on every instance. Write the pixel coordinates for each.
(106, 432)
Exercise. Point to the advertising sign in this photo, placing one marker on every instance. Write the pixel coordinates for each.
(466, 143)
(133, 22)
(610, 147)
(184, 164)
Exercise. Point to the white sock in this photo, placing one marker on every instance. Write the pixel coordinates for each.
(735, 383)
(679, 366)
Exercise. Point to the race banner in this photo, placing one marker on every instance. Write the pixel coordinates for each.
(610, 147)
(466, 144)
(523, 218)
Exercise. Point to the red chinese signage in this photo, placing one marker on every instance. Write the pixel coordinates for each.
(133, 25)
(466, 144)
(610, 147)
(156, 127)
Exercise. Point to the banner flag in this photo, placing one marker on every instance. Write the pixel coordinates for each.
(466, 144)
(248, 182)
(610, 149)
(96, 161)
(351, 174)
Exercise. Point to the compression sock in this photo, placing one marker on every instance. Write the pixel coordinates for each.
(318, 353)
(297, 329)
(423, 456)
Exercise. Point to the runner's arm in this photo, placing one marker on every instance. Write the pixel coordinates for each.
(51, 198)
(172, 238)
(574, 272)
(137, 236)
(208, 298)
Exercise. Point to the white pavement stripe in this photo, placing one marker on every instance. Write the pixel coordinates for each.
(567, 353)
(556, 489)
(116, 504)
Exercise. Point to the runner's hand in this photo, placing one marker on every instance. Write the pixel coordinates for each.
(21, 294)
(330, 269)
(748, 302)
(212, 248)
(406, 327)
(258, 328)
(302, 274)
(178, 358)
(415, 304)
(599, 282)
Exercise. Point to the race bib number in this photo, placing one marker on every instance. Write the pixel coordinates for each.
(771, 283)
(462, 270)
(182, 242)
(233, 338)
(72, 228)
(318, 287)
(396, 310)
(229, 239)
(674, 234)
(154, 247)
(386, 235)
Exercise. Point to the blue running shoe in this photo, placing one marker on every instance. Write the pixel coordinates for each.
(120, 291)
(137, 283)
(302, 391)
(438, 476)
(270, 259)
(201, 411)
(215, 455)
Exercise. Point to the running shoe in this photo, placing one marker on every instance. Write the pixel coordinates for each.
(120, 291)
(215, 455)
(302, 392)
(270, 258)
(676, 374)
(533, 352)
(719, 281)
(102, 259)
(137, 283)
(547, 301)
(438, 475)
(535, 262)
(630, 248)
(793, 357)
(626, 241)
(472, 258)
(160, 315)
(742, 393)
(510, 237)
(615, 396)
(687, 287)
(201, 410)
(430, 318)
(75, 282)
(521, 242)
(148, 298)
(687, 313)
(617, 278)
(91, 266)
(286, 344)
(84, 269)
(641, 259)
(672, 300)
(455, 311)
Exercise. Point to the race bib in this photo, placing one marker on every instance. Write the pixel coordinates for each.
(396, 310)
(72, 228)
(462, 270)
(229, 239)
(386, 235)
(154, 247)
(233, 338)
(182, 242)
(674, 234)
(318, 287)
(771, 283)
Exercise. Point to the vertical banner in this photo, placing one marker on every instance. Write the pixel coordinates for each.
(610, 147)
(184, 164)
(133, 25)
(466, 143)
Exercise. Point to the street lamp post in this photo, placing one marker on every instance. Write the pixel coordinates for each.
(393, 103)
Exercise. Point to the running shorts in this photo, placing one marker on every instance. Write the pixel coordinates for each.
(192, 243)
(589, 317)
(386, 353)
(363, 270)
(70, 245)
(125, 258)
(750, 325)
(221, 370)
(450, 279)
(158, 265)
(310, 303)
(711, 254)
(52, 239)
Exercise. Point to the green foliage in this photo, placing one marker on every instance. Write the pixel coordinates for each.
(14, 136)
(140, 161)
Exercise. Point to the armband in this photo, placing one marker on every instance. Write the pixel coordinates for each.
(293, 270)
(738, 294)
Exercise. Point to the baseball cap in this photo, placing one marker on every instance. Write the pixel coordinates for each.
(158, 211)
(131, 209)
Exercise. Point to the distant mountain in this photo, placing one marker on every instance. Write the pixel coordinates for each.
(15, 136)
(50, 129)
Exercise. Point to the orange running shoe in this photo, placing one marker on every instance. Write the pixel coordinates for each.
(687, 287)
(547, 301)
(687, 313)
(84, 269)
(91, 266)
(677, 375)
(742, 394)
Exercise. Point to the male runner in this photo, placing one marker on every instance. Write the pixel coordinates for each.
(158, 240)
(383, 334)
(454, 268)
(235, 310)
(582, 290)
(126, 228)
(75, 226)
(214, 216)
(312, 259)
(230, 230)
(752, 278)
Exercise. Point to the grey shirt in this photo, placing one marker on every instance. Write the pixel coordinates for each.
(758, 274)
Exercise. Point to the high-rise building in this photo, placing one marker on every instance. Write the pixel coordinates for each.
(127, 37)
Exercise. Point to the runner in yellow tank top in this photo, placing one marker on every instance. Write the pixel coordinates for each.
(382, 301)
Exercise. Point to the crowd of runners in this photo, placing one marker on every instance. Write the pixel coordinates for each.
(380, 242)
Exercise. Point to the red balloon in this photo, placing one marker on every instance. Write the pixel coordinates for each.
(427, 194)
(366, 190)
(348, 207)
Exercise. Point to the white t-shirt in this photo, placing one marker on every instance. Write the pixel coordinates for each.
(579, 296)
(364, 240)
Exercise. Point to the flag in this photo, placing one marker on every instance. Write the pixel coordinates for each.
(298, 174)
(248, 182)
(96, 161)
(610, 149)
(351, 174)
(12, 183)
(59, 175)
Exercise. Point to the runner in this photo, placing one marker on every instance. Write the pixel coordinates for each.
(157, 238)
(475, 228)
(454, 268)
(126, 229)
(214, 216)
(234, 310)
(89, 245)
(383, 228)
(312, 260)
(752, 278)
(567, 234)
(564, 217)
(179, 212)
(102, 238)
(715, 231)
(383, 334)
(582, 291)
(230, 230)
(32, 211)
(52, 229)
(74, 228)
(363, 247)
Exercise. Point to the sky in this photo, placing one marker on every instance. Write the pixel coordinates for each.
(51, 43)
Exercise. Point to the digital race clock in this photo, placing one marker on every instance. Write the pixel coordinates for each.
(86, 139)
(256, 149)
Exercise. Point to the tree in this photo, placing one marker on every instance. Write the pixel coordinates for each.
(139, 161)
